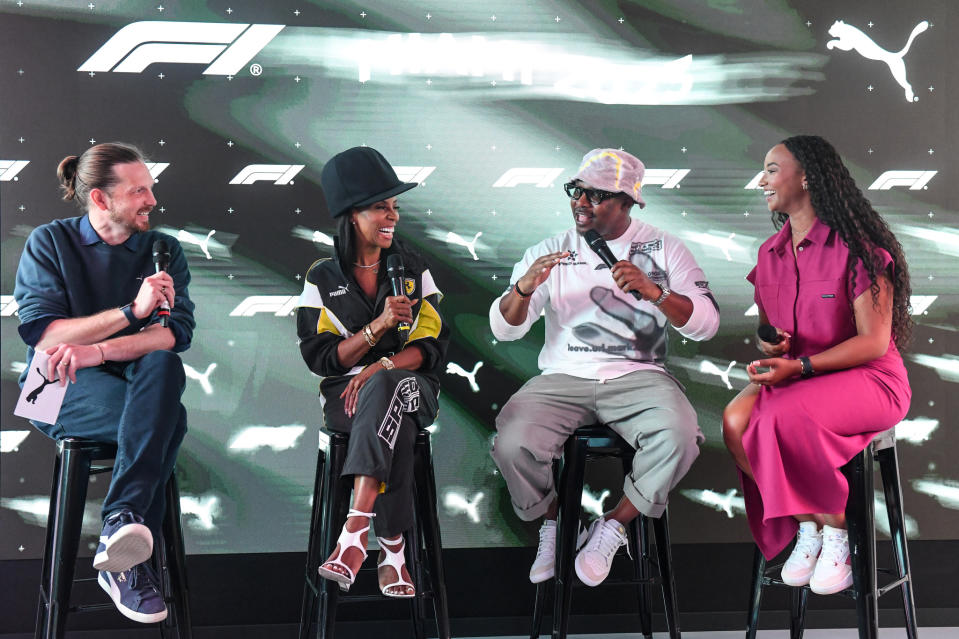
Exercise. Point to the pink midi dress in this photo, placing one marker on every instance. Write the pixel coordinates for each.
(802, 431)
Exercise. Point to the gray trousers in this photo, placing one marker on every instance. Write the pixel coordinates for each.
(646, 408)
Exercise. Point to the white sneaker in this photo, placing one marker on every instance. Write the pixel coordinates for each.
(595, 559)
(802, 562)
(544, 566)
(833, 572)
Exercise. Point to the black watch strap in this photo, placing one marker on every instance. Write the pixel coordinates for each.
(128, 313)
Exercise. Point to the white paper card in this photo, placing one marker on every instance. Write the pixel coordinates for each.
(40, 399)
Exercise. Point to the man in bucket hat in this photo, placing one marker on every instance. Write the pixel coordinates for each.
(603, 360)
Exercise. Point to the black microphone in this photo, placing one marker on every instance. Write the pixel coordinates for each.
(161, 261)
(768, 334)
(395, 271)
(599, 246)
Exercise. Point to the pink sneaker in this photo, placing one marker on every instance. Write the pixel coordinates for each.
(833, 570)
(801, 564)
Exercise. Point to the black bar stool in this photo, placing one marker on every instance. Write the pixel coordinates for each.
(331, 500)
(71, 472)
(585, 444)
(860, 518)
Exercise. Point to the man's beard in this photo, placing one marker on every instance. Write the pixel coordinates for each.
(132, 227)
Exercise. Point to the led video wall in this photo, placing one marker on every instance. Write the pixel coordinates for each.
(489, 106)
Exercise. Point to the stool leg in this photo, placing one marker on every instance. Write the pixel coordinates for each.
(44, 603)
(862, 542)
(539, 605)
(308, 607)
(638, 531)
(755, 594)
(570, 500)
(426, 495)
(173, 563)
(797, 612)
(414, 563)
(664, 551)
(889, 469)
(69, 499)
(335, 506)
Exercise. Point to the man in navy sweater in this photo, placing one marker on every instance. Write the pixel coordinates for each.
(89, 298)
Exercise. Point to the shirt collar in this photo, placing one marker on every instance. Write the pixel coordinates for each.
(89, 236)
(818, 234)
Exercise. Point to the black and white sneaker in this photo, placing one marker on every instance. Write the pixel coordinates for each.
(124, 542)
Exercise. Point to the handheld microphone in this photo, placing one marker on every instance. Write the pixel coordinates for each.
(599, 246)
(161, 260)
(395, 271)
(768, 334)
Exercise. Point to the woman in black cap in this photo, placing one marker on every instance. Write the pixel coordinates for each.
(379, 354)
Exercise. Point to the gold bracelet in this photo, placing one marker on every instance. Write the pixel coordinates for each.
(368, 336)
(103, 358)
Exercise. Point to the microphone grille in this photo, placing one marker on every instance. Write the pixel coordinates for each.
(592, 237)
(160, 247)
(394, 262)
(767, 333)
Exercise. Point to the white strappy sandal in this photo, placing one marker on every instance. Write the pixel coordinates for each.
(395, 560)
(347, 539)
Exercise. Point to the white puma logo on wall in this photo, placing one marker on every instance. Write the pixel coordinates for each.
(849, 38)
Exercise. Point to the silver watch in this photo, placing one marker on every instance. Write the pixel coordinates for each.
(387, 363)
(662, 298)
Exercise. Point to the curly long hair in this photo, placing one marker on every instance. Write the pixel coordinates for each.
(840, 205)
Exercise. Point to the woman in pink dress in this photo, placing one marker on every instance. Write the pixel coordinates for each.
(834, 287)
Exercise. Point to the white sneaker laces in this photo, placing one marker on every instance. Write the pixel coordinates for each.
(834, 547)
(547, 539)
(806, 544)
(608, 541)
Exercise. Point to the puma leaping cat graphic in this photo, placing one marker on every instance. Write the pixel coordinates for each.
(470, 245)
(848, 38)
(204, 243)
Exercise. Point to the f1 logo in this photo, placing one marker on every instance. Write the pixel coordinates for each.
(138, 45)
(279, 305)
(668, 178)
(8, 306)
(915, 180)
(156, 168)
(541, 178)
(10, 168)
(280, 173)
(416, 174)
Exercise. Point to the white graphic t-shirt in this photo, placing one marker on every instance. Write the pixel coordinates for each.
(593, 329)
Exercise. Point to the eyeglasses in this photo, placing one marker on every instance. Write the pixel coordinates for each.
(595, 196)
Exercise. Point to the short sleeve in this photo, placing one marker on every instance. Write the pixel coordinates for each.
(862, 281)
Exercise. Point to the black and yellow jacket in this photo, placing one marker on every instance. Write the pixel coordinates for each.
(333, 307)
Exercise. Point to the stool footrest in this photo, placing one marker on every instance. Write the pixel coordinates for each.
(92, 607)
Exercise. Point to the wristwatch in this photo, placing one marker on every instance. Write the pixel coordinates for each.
(387, 363)
(662, 298)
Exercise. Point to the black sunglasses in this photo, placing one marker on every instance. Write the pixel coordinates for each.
(595, 196)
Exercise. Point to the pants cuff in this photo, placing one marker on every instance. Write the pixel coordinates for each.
(537, 510)
(643, 505)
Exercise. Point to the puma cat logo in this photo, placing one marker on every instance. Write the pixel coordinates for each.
(850, 38)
